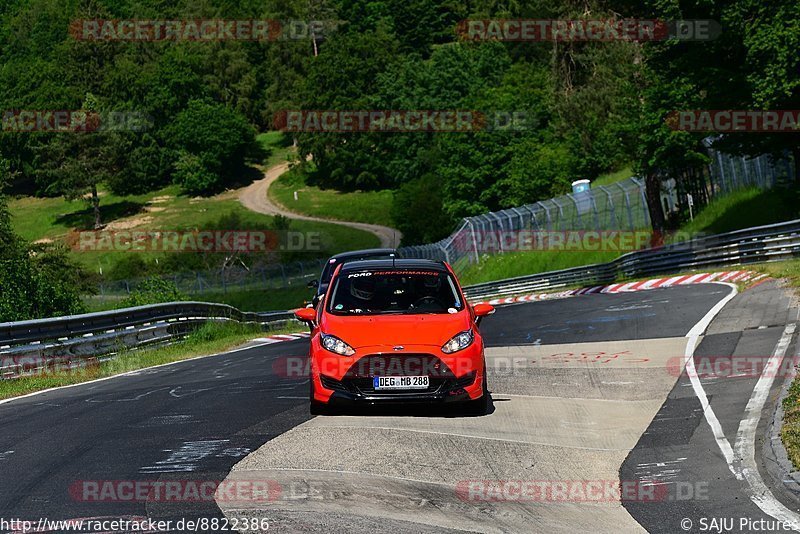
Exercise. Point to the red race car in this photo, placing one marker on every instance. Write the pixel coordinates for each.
(395, 331)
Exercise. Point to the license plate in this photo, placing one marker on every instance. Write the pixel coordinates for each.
(400, 382)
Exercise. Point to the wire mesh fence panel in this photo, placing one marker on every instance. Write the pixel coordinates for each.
(620, 206)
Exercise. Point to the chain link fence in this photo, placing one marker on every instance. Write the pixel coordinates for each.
(621, 206)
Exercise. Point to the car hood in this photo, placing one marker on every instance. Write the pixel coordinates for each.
(392, 330)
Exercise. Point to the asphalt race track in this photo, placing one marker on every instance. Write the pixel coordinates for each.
(590, 388)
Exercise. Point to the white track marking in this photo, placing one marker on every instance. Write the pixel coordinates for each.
(672, 280)
(626, 287)
(693, 335)
(694, 278)
(728, 275)
(742, 464)
(745, 446)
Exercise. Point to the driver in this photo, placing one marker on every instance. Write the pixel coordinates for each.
(432, 285)
(363, 289)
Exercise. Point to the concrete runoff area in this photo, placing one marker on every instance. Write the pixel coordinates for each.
(560, 412)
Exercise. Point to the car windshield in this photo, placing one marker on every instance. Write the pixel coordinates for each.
(330, 267)
(394, 291)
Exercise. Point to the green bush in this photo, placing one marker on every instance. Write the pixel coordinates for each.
(417, 211)
(36, 281)
(194, 176)
(153, 291)
(213, 142)
(39, 284)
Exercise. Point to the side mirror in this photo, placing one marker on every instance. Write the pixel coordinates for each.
(307, 315)
(482, 310)
(313, 284)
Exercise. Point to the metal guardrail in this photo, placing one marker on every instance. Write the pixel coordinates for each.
(28, 346)
(73, 341)
(761, 244)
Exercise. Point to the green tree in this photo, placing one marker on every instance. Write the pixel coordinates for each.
(417, 211)
(214, 143)
(74, 164)
(38, 281)
(153, 291)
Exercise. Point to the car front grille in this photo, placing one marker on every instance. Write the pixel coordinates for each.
(358, 378)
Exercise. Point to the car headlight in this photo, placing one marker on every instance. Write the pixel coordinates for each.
(458, 342)
(334, 344)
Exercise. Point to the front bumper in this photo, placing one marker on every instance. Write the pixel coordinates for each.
(357, 392)
(453, 378)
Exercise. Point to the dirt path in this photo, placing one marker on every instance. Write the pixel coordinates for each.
(254, 197)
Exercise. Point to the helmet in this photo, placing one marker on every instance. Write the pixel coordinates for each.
(432, 283)
(363, 288)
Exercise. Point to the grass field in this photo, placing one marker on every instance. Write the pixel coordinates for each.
(247, 300)
(277, 146)
(744, 209)
(55, 218)
(360, 206)
(514, 264)
(211, 338)
(613, 177)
